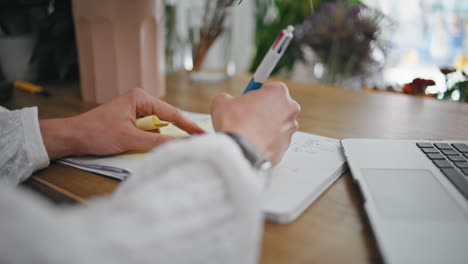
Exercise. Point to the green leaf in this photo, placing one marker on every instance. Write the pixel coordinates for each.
(290, 12)
(463, 89)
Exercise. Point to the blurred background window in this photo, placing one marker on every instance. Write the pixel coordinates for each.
(418, 47)
(426, 35)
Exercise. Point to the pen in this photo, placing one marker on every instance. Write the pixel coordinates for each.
(271, 59)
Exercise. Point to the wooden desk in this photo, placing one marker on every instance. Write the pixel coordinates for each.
(333, 229)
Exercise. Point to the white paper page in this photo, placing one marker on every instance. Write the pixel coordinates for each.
(310, 165)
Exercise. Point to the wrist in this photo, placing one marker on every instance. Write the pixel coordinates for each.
(61, 137)
(256, 159)
(261, 165)
(244, 132)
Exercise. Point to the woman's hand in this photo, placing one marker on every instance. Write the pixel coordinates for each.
(111, 128)
(266, 117)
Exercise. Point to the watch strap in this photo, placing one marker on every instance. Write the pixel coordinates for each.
(255, 158)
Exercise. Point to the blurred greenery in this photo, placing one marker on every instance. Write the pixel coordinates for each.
(289, 12)
(285, 12)
(461, 87)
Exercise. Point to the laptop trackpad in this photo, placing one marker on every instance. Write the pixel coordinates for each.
(410, 194)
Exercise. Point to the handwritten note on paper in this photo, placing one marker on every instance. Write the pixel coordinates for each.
(308, 144)
(309, 166)
(309, 153)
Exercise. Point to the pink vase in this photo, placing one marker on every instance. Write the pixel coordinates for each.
(120, 46)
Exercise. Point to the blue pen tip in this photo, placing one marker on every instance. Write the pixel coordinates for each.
(253, 85)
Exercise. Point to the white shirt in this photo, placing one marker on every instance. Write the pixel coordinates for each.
(192, 201)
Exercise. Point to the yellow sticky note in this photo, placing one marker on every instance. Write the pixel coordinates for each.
(150, 123)
(174, 131)
(133, 154)
(167, 129)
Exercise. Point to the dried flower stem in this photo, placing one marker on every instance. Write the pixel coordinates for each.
(212, 28)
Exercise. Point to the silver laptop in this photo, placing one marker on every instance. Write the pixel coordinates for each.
(415, 194)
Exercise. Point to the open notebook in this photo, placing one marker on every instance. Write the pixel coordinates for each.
(310, 165)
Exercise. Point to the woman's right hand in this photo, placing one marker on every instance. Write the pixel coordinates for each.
(266, 117)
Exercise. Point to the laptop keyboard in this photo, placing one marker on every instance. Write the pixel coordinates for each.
(452, 161)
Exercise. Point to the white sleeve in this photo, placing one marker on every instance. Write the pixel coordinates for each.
(192, 201)
(21, 146)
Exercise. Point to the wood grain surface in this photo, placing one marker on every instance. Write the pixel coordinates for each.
(334, 228)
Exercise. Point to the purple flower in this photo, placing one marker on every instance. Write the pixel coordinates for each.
(330, 7)
(343, 36)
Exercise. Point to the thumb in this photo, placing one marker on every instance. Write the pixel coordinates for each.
(221, 98)
(147, 140)
(220, 101)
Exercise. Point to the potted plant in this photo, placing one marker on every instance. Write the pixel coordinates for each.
(345, 37)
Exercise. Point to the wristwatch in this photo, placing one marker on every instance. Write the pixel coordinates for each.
(256, 159)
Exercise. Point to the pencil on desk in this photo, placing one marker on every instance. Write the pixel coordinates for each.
(32, 88)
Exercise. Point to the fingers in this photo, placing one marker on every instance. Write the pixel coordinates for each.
(278, 87)
(281, 88)
(147, 140)
(148, 105)
(170, 113)
(295, 125)
(221, 105)
(220, 99)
